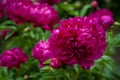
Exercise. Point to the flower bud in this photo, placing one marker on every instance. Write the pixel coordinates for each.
(55, 63)
(94, 3)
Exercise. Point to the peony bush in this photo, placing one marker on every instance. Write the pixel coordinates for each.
(59, 40)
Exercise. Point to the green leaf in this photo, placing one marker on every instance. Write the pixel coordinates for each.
(48, 68)
(56, 74)
(19, 78)
(2, 27)
(85, 9)
(77, 68)
(47, 61)
(9, 35)
(34, 75)
(6, 22)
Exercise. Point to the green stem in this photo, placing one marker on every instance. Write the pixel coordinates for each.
(76, 76)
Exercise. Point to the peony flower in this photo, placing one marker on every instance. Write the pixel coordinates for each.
(41, 52)
(104, 17)
(44, 15)
(13, 58)
(55, 63)
(22, 11)
(50, 2)
(76, 41)
(18, 10)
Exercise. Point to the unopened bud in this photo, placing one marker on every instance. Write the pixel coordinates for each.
(94, 3)
(55, 63)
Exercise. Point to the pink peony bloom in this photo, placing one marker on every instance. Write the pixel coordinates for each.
(41, 52)
(104, 17)
(55, 63)
(26, 11)
(13, 58)
(50, 2)
(94, 3)
(18, 10)
(44, 15)
(76, 41)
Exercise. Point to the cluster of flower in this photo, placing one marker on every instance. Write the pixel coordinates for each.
(78, 40)
(39, 14)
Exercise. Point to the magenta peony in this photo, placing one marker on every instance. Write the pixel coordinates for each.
(44, 15)
(13, 58)
(104, 17)
(55, 63)
(50, 2)
(41, 52)
(26, 11)
(76, 41)
(18, 10)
